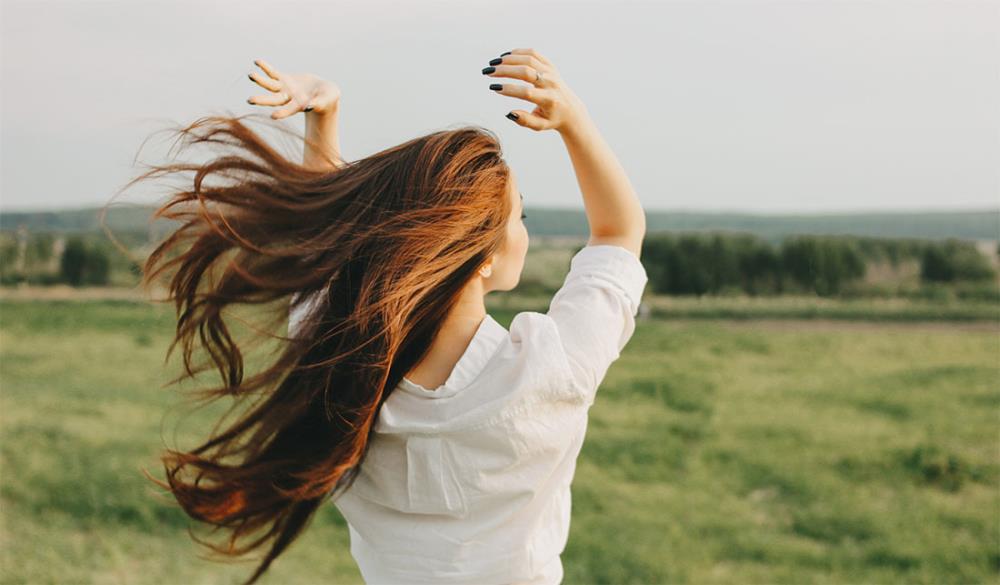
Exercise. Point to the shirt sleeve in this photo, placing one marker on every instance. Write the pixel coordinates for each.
(594, 311)
(297, 314)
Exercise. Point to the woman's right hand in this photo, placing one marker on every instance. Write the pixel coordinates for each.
(557, 107)
(298, 92)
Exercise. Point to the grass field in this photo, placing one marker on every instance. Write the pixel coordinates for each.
(717, 452)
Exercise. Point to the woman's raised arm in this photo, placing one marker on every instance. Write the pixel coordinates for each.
(318, 98)
(322, 146)
(594, 310)
(614, 212)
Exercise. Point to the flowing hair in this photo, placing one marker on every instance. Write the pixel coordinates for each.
(380, 247)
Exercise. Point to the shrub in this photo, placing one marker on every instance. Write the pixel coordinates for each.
(73, 257)
(83, 264)
(954, 260)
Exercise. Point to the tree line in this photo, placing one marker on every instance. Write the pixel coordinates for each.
(44, 258)
(716, 263)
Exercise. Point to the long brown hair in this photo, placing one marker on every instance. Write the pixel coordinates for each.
(383, 244)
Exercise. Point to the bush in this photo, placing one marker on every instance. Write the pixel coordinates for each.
(97, 268)
(862, 290)
(11, 278)
(934, 292)
(73, 258)
(83, 264)
(933, 466)
(971, 291)
(954, 260)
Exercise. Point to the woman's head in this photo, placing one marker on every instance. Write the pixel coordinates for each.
(503, 270)
(389, 243)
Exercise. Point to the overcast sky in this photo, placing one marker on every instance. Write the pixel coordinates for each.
(769, 107)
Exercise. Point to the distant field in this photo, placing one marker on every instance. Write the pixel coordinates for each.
(717, 452)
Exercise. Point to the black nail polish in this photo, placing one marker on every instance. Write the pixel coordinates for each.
(496, 61)
(507, 53)
(488, 70)
(512, 115)
(496, 86)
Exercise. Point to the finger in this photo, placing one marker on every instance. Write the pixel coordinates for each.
(285, 112)
(272, 99)
(265, 82)
(271, 71)
(532, 53)
(529, 60)
(537, 96)
(528, 120)
(522, 72)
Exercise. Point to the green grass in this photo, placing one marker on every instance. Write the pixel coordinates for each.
(717, 452)
(793, 457)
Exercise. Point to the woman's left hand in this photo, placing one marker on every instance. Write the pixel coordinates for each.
(298, 92)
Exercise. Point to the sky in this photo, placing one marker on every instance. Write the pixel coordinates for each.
(768, 107)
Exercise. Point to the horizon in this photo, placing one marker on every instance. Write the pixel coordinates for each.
(838, 212)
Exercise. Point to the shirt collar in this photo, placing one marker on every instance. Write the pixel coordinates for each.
(484, 344)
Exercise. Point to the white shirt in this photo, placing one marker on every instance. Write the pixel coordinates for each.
(470, 482)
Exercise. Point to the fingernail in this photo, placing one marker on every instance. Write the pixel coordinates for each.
(489, 70)
(496, 86)
(507, 53)
(496, 61)
(512, 115)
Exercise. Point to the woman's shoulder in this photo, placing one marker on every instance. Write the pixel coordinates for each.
(527, 324)
(535, 332)
(535, 341)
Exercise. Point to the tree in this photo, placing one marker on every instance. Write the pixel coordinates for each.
(97, 266)
(759, 267)
(954, 260)
(822, 264)
(83, 264)
(73, 258)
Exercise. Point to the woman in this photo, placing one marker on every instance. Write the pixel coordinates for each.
(447, 441)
